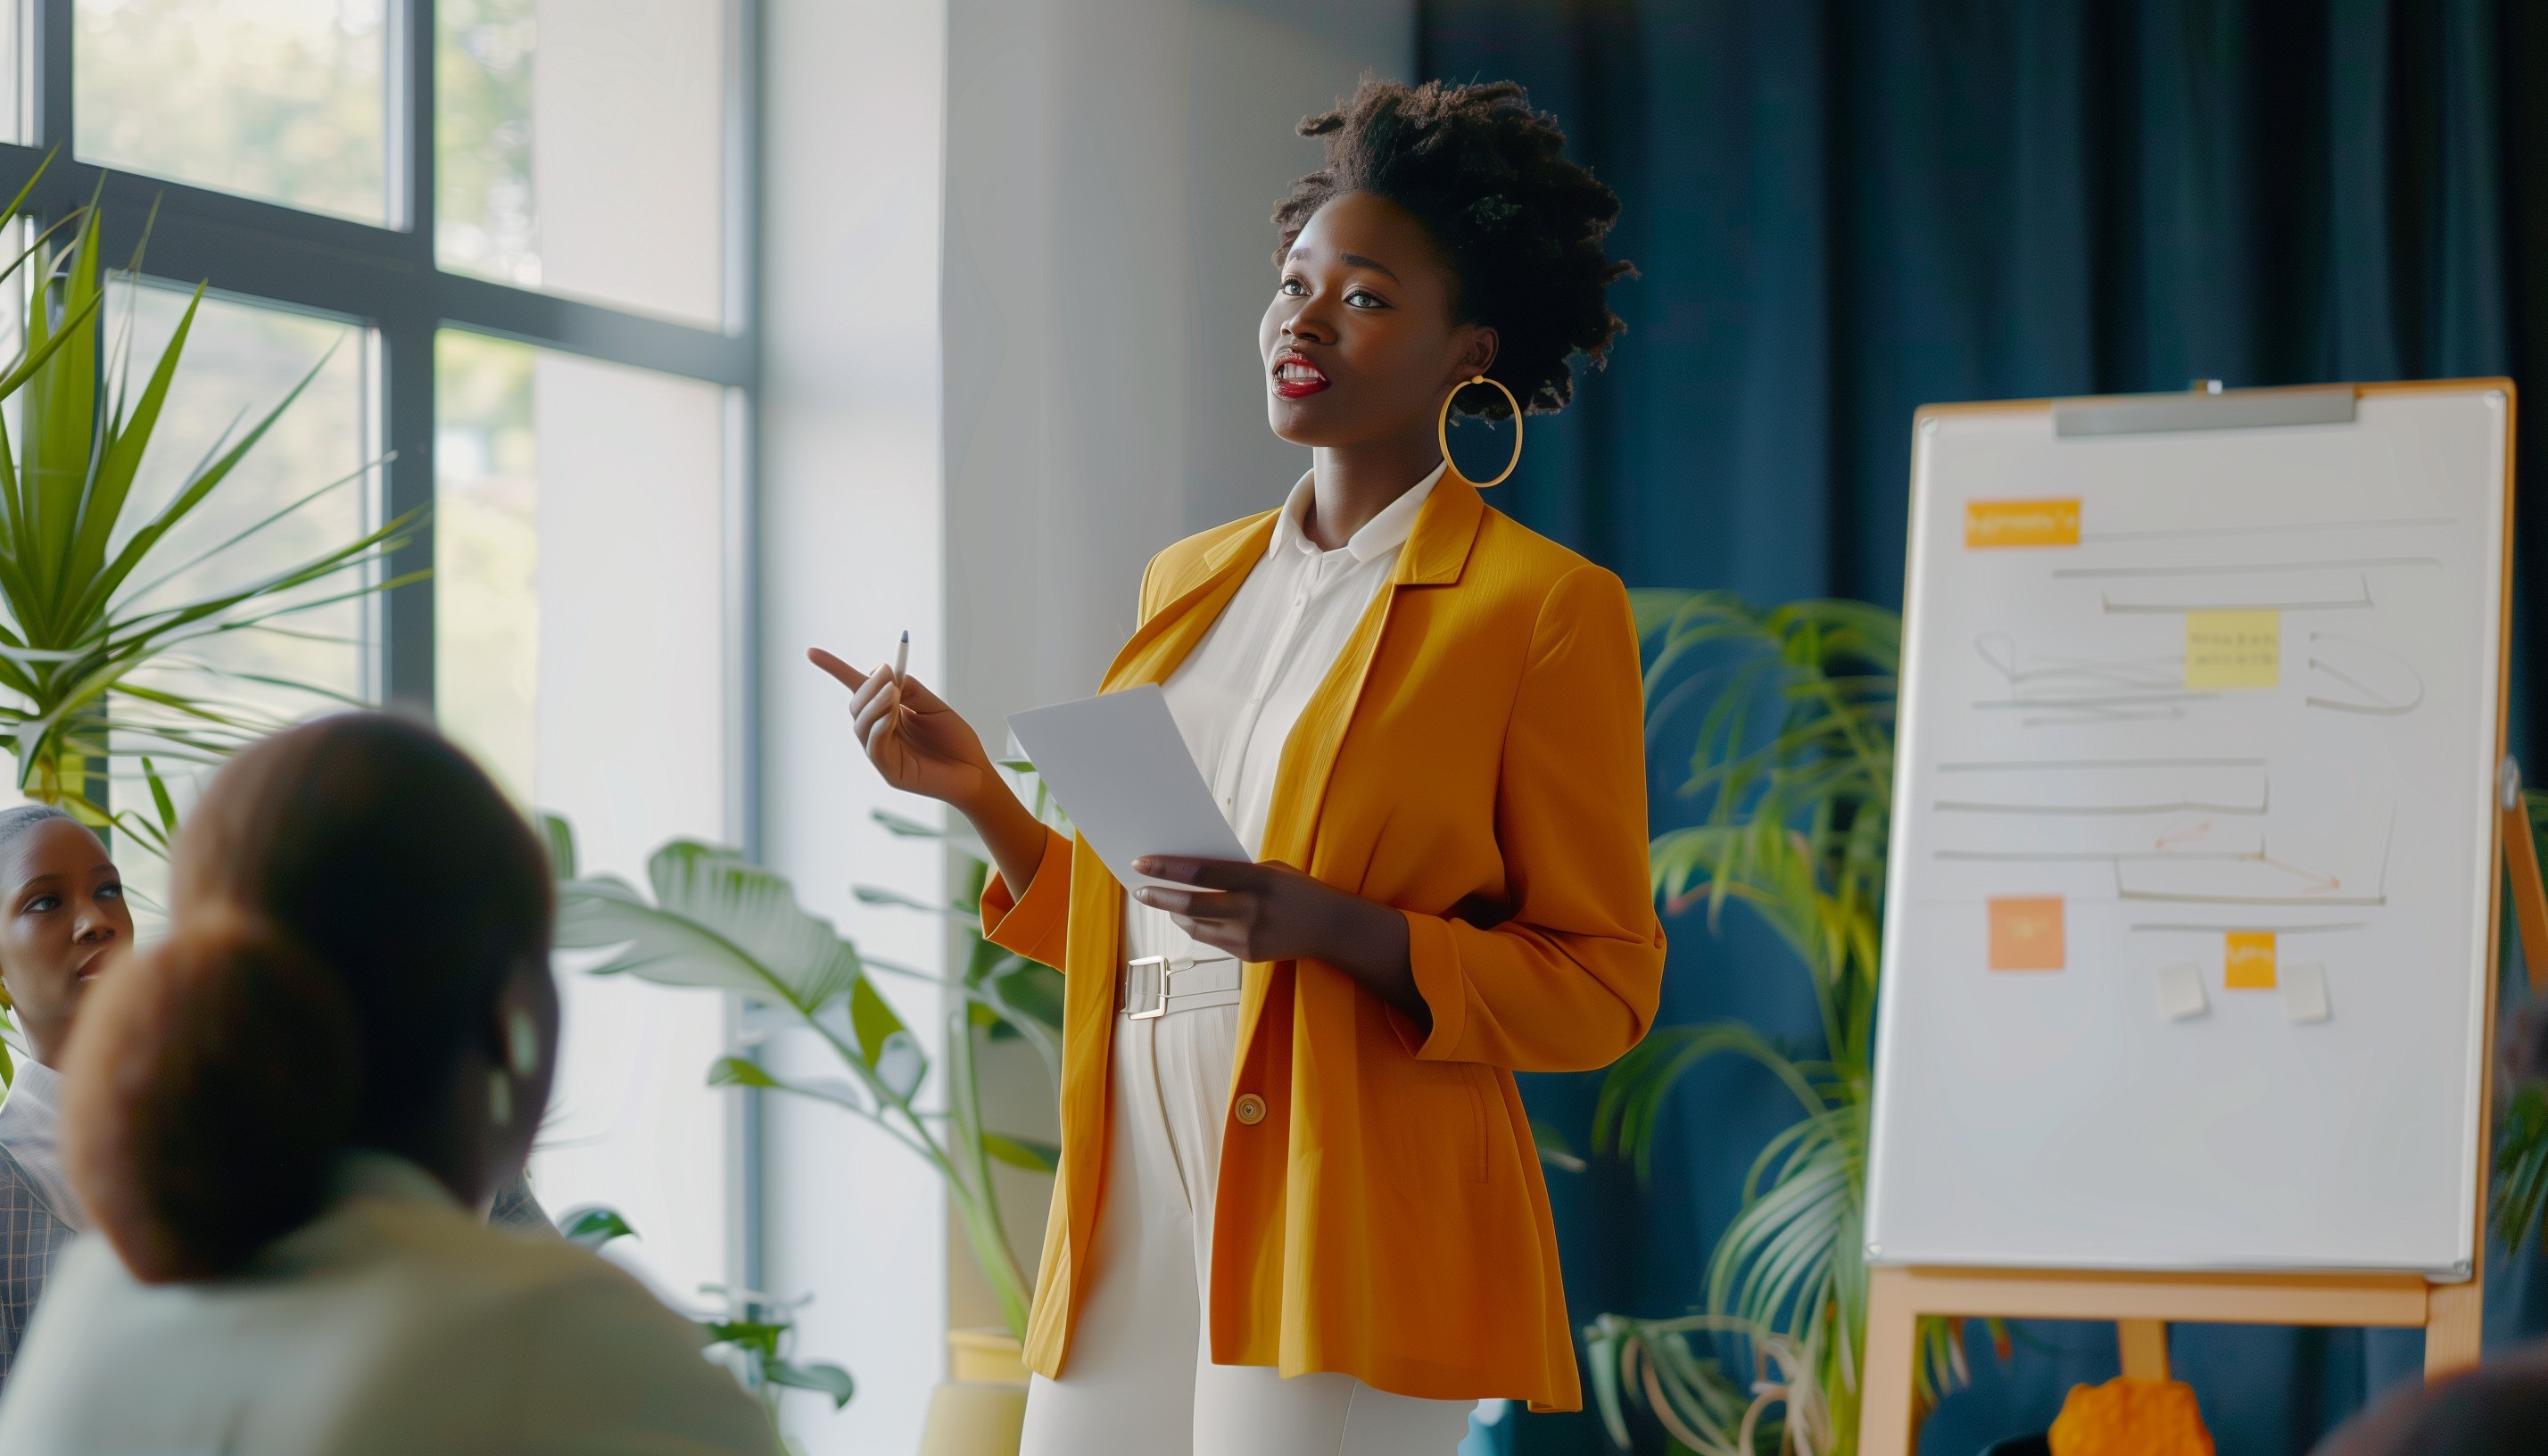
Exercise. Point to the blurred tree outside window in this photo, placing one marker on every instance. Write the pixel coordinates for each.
(280, 100)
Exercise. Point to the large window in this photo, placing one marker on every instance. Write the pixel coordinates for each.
(515, 232)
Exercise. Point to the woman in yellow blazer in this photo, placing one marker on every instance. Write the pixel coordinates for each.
(1451, 881)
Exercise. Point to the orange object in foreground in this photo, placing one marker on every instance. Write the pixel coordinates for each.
(2131, 1418)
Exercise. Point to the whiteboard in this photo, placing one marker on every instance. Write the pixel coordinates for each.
(2190, 911)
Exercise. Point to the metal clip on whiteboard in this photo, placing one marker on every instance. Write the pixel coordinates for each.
(2207, 405)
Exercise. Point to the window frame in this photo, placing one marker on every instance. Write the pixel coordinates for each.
(389, 279)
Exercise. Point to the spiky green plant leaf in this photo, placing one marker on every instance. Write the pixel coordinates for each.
(1789, 716)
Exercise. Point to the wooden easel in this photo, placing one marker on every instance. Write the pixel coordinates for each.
(2142, 1303)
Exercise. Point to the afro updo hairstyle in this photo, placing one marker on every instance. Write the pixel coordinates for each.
(1522, 226)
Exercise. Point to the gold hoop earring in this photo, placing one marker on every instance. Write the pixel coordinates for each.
(1442, 430)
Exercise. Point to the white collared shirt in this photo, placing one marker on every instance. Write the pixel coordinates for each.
(31, 1121)
(1237, 696)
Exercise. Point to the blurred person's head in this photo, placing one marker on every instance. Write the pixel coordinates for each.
(2498, 1409)
(64, 922)
(357, 958)
(1448, 236)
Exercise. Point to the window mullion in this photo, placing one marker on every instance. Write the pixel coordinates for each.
(410, 133)
(48, 117)
(408, 407)
(407, 415)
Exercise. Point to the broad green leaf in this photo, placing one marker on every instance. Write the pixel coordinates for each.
(654, 944)
(900, 1066)
(869, 894)
(1022, 1152)
(594, 1227)
(872, 1020)
(737, 1071)
(761, 1336)
(560, 836)
(904, 826)
(829, 1380)
(756, 910)
(718, 920)
(1029, 990)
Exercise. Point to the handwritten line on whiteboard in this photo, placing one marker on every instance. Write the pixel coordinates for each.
(2097, 857)
(2373, 702)
(2277, 529)
(2181, 807)
(2023, 764)
(2170, 898)
(2108, 700)
(2217, 930)
(2246, 568)
(2117, 609)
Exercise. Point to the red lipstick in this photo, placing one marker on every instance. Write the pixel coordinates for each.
(1295, 376)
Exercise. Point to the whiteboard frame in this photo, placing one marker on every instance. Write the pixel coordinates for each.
(2476, 1145)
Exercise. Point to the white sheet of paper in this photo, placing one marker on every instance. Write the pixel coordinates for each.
(2180, 991)
(2304, 985)
(1121, 770)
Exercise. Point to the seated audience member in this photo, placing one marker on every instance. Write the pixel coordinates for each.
(282, 1119)
(63, 921)
(2498, 1410)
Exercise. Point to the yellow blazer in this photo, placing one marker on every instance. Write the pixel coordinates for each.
(1477, 760)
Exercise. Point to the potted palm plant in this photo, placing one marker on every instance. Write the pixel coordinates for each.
(102, 640)
(1791, 769)
(718, 919)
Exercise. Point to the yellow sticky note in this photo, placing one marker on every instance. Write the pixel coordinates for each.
(2025, 933)
(2249, 961)
(2234, 649)
(1991, 523)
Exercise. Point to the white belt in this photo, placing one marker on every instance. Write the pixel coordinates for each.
(1156, 985)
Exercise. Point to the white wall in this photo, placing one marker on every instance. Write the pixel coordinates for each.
(1255, 69)
(850, 513)
(1110, 167)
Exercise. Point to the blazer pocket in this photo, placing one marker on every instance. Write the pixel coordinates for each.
(1484, 1102)
(1436, 1123)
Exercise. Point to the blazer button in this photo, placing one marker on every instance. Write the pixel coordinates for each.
(1251, 1109)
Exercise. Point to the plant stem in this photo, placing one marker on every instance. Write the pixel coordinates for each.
(976, 1193)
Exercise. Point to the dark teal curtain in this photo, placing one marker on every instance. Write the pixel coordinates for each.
(1841, 210)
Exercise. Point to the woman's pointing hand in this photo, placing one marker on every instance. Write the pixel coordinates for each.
(916, 740)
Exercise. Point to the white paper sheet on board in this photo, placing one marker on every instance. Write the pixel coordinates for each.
(1123, 774)
(2226, 698)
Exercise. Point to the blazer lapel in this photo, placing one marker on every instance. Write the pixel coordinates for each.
(1162, 640)
(1435, 555)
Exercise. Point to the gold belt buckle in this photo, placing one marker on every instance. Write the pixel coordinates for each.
(1158, 967)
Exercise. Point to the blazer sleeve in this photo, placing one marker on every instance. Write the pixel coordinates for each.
(1037, 926)
(1571, 979)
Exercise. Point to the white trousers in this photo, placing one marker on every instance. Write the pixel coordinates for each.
(1139, 1379)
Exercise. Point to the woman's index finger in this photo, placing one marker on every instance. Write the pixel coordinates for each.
(847, 675)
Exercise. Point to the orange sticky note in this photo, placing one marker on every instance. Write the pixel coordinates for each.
(2249, 961)
(2021, 523)
(2025, 933)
